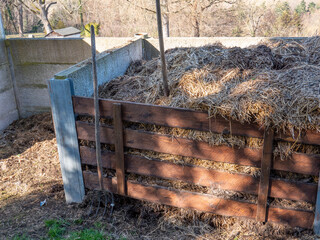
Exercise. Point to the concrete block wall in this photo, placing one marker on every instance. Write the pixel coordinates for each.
(8, 106)
(37, 60)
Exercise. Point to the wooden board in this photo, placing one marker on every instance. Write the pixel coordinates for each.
(168, 116)
(119, 151)
(184, 118)
(300, 163)
(203, 202)
(264, 184)
(202, 176)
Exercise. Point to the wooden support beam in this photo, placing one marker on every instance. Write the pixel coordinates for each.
(65, 128)
(265, 176)
(119, 151)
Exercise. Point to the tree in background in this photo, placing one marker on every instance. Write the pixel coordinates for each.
(312, 7)
(40, 8)
(301, 8)
(197, 8)
(166, 11)
(251, 15)
(74, 10)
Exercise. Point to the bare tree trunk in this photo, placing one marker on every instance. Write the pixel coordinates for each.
(195, 19)
(44, 17)
(81, 15)
(20, 19)
(196, 27)
(165, 22)
(11, 17)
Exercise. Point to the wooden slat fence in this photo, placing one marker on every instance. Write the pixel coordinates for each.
(264, 186)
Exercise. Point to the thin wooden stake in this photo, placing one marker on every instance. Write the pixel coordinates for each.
(265, 176)
(96, 108)
(119, 151)
(163, 59)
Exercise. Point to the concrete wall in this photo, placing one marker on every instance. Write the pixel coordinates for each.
(8, 107)
(37, 60)
(110, 65)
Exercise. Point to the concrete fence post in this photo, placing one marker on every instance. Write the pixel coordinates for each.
(2, 33)
(61, 92)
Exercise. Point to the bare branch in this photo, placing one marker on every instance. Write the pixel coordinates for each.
(49, 5)
(29, 9)
(144, 8)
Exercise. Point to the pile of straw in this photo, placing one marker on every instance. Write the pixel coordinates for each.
(275, 84)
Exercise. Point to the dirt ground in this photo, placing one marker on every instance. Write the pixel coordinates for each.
(30, 173)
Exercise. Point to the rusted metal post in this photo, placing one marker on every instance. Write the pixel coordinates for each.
(163, 59)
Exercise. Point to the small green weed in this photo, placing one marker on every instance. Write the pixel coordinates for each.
(56, 228)
(98, 225)
(87, 234)
(22, 237)
(78, 221)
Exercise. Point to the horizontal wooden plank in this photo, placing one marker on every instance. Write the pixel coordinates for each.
(167, 116)
(307, 137)
(202, 176)
(178, 146)
(299, 163)
(183, 118)
(203, 202)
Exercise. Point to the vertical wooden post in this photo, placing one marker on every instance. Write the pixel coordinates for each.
(316, 222)
(64, 123)
(266, 162)
(161, 45)
(119, 151)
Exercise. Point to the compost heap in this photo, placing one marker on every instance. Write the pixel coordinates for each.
(275, 84)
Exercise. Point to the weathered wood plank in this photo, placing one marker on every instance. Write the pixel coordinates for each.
(299, 163)
(204, 202)
(307, 137)
(264, 185)
(202, 176)
(178, 146)
(185, 118)
(119, 151)
(168, 116)
(65, 128)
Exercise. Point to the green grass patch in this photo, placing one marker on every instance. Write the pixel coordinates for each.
(88, 234)
(56, 228)
(61, 230)
(21, 237)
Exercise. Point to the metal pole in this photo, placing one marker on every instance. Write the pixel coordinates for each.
(163, 59)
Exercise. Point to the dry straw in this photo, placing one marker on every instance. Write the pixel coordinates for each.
(274, 84)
